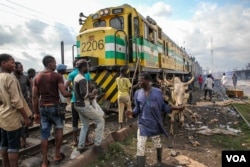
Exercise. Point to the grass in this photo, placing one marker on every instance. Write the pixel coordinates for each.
(116, 151)
(241, 141)
(244, 109)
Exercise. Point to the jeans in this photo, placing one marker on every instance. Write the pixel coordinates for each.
(89, 113)
(49, 116)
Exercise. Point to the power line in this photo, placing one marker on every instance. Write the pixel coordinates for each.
(24, 7)
(16, 9)
(27, 15)
(42, 15)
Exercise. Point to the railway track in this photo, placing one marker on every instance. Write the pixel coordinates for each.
(33, 149)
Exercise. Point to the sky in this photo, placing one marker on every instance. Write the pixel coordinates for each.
(215, 32)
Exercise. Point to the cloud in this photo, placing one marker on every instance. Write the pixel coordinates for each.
(227, 25)
(223, 29)
(5, 36)
(161, 9)
(229, 32)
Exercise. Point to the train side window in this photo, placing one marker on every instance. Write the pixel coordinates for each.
(151, 36)
(117, 23)
(136, 27)
(100, 23)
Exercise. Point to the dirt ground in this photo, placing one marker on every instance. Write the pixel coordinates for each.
(187, 147)
(192, 145)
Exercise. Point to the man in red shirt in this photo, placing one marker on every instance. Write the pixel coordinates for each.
(45, 93)
(200, 80)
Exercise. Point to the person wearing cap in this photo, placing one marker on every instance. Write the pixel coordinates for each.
(84, 107)
(75, 116)
(208, 86)
(61, 69)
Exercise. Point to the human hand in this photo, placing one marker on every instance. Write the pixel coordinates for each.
(27, 122)
(95, 91)
(181, 107)
(129, 114)
(37, 118)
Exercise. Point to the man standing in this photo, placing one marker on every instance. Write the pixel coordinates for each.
(25, 85)
(31, 74)
(223, 79)
(234, 78)
(123, 85)
(23, 80)
(11, 111)
(85, 109)
(45, 93)
(148, 107)
(200, 80)
(208, 86)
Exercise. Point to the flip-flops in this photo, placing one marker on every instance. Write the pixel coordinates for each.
(56, 162)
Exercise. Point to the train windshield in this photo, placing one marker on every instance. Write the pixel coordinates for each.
(117, 22)
(100, 23)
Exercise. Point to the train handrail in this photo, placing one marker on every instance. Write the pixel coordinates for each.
(126, 41)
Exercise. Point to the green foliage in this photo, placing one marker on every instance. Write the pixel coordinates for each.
(244, 109)
(241, 141)
(117, 150)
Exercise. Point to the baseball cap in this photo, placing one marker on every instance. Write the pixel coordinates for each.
(81, 61)
(61, 67)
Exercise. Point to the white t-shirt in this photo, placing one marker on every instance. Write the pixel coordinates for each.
(223, 80)
(209, 83)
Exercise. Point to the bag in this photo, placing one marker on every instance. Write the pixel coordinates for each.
(60, 109)
(97, 108)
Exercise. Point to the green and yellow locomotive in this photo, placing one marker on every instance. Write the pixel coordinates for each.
(119, 36)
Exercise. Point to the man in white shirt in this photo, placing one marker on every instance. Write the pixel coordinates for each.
(223, 80)
(208, 86)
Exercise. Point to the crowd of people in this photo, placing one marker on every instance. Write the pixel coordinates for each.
(42, 98)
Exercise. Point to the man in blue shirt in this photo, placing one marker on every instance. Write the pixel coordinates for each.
(148, 107)
(149, 104)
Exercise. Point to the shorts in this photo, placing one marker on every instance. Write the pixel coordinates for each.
(49, 117)
(10, 140)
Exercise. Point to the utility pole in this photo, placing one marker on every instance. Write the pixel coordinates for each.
(62, 52)
(212, 54)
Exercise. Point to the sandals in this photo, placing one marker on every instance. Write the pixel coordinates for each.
(41, 164)
(56, 162)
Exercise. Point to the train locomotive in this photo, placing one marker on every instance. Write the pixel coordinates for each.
(120, 36)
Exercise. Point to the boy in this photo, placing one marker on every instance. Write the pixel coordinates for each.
(11, 111)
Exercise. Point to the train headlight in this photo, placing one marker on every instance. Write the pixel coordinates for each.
(106, 11)
(101, 12)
